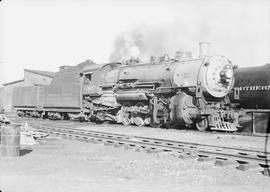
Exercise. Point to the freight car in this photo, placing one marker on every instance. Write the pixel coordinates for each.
(182, 90)
(253, 85)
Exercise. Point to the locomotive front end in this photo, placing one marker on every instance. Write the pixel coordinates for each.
(204, 84)
(216, 76)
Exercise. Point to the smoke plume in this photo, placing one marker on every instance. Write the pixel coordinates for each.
(145, 41)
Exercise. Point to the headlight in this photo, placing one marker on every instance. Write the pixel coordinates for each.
(229, 74)
(226, 73)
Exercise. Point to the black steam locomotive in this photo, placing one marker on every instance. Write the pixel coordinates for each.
(182, 90)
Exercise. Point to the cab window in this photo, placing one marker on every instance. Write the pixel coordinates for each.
(87, 78)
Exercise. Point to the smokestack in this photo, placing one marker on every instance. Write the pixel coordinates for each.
(204, 49)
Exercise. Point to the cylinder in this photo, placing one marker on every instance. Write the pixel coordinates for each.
(204, 49)
(10, 140)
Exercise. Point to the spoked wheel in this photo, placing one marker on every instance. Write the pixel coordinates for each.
(138, 119)
(125, 116)
(100, 117)
(202, 124)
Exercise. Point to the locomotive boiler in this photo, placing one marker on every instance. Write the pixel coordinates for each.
(179, 91)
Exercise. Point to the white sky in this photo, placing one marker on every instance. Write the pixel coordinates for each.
(45, 34)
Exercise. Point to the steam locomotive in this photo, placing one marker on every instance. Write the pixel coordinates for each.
(179, 91)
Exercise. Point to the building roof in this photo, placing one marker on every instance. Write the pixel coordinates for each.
(43, 73)
(13, 82)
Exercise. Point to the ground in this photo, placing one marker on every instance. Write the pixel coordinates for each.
(217, 138)
(57, 165)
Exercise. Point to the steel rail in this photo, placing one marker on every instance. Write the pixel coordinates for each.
(266, 135)
(244, 158)
(146, 139)
(71, 128)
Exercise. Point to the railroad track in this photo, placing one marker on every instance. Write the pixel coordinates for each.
(245, 134)
(242, 159)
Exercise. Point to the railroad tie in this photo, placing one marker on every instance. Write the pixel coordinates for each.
(129, 146)
(206, 159)
(108, 143)
(117, 145)
(249, 166)
(266, 172)
(155, 150)
(225, 162)
(95, 141)
(187, 156)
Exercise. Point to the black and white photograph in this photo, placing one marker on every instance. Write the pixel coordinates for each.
(134, 95)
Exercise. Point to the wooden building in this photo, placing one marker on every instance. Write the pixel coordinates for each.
(31, 77)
